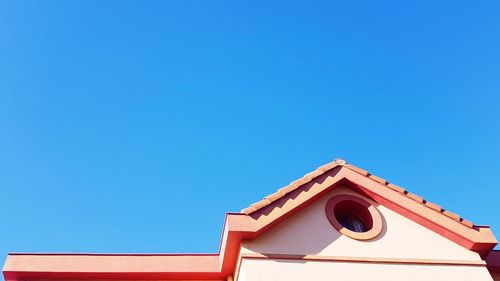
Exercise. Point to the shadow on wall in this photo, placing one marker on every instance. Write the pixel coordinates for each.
(278, 204)
(308, 232)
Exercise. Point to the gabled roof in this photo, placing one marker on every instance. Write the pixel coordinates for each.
(299, 192)
(342, 163)
(247, 225)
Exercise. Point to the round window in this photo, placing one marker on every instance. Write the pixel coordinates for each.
(354, 217)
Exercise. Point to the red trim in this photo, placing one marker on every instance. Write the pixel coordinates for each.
(366, 211)
(354, 259)
(493, 261)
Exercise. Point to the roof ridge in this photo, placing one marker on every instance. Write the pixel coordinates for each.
(267, 200)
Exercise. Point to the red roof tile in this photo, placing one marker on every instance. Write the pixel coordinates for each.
(451, 215)
(433, 206)
(415, 197)
(342, 163)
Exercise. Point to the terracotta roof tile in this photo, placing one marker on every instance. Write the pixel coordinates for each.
(339, 162)
(248, 210)
(415, 197)
(292, 186)
(396, 188)
(260, 204)
(301, 181)
(356, 169)
(274, 196)
(467, 223)
(328, 166)
(287, 189)
(451, 215)
(378, 179)
(314, 174)
(433, 206)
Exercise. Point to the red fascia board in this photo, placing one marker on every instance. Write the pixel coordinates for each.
(478, 239)
(22, 266)
(69, 266)
(110, 262)
(237, 227)
(493, 261)
(12, 276)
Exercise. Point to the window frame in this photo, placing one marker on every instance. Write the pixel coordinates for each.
(353, 205)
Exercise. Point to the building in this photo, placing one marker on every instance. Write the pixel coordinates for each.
(338, 222)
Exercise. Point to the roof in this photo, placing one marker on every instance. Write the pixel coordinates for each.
(342, 163)
(247, 225)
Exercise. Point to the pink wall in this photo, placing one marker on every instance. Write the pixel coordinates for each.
(424, 253)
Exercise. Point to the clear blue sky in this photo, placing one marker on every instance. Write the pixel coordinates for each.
(128, 127)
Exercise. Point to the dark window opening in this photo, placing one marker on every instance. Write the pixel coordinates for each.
(352, 223)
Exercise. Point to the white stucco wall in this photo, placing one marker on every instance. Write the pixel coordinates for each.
(276, 270)
(310, 233)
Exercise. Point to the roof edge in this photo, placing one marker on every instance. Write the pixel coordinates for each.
(267, 200)
(493, 261)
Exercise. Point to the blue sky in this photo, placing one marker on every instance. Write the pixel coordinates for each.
(130, 126)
